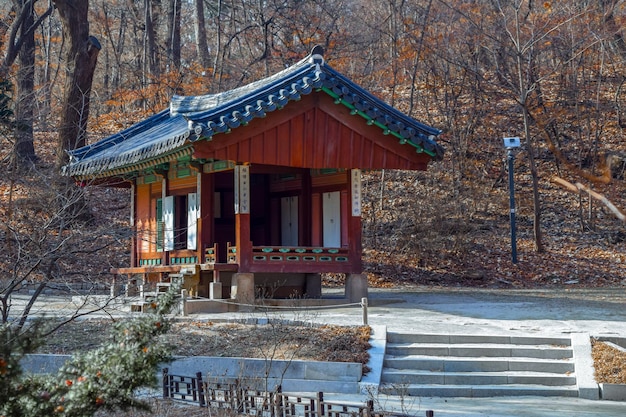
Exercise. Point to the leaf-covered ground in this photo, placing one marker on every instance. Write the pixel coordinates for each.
(609, 363)
(280, 341)
(269, 341)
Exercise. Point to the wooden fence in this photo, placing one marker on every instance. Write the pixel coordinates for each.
(243, 400)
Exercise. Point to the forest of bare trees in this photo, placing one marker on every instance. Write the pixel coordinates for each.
(550, 72)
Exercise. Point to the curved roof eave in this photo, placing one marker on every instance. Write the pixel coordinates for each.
(190, 118)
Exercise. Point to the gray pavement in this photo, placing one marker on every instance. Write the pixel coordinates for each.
(599, 312)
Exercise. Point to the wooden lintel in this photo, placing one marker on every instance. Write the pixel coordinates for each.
(219, 267)
(148, 269)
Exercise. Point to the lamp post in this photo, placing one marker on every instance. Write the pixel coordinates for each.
(510, 144)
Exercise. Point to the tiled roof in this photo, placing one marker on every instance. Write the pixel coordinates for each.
(189, 118)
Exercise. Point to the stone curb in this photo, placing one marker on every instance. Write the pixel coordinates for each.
(370, 383)
(583, 362)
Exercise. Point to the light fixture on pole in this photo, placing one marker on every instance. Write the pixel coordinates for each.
(510, 144)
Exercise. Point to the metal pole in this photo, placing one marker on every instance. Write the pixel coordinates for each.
(511, 160)
(364, 305)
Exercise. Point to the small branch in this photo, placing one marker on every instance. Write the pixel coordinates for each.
(77, 315)
(580, 188)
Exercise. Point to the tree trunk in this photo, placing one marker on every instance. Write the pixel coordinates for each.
(535, 181)
(217, 63)
(201, 40)
(173, 33)
(80, 65)
(525, 83)
(24, 149)
(150, 46)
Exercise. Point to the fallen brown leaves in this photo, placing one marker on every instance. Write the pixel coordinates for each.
(421, 228)
(609, 363)
(269, 341)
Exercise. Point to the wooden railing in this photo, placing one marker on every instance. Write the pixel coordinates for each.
(211, 254)
(243, 400)
(289, 254)
(298, 254)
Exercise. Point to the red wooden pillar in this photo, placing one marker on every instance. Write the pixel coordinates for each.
(345, 214)
(133, 224)
(244, 246)
(305, 206)
(206, 192)
(356, 249)
(354, 226)
(242, 217)
(316, 219)
(165, 191)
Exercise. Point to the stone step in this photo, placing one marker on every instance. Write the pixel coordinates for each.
(163, 287)
(404, 376)
(405, 338)
(418, 390)
(492, 364)
(478, 365)
(480, 350)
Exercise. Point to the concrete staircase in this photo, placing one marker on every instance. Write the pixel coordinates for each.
(431, 365)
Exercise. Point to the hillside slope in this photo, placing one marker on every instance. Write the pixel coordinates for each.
(419, 228)
(424, 228)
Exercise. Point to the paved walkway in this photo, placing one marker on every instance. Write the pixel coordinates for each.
(470, 311)
(599, 312)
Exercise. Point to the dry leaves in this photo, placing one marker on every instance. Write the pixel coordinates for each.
(609, 363)
(272, 341)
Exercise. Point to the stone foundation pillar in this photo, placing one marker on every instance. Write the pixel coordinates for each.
(356, 287)
(242, 289)
(313, 285)
(215, 290)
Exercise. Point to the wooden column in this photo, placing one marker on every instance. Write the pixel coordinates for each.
(165, 185)
(242, 217)
(305, 208)
(206, 233)
(344, 199)
(316, 219)
(354, 223)
(356, 248)
(133, 224)
(244, 246)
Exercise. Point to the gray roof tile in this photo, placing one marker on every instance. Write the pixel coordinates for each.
(192, 117)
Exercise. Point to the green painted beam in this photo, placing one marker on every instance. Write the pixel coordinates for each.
(370, 121)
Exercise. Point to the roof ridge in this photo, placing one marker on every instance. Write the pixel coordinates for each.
(200, 103)
(190, 118)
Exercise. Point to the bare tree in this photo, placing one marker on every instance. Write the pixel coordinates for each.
(21, 47)
(151, 54)
(202, 45)
(80, 65)
(173, 33)
(48, 245)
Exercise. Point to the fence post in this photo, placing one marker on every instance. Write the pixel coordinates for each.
(113, 291)
(364, 305)
(183, 302)
(430, 413)
(166, 383)
(370, 408)
(239, 396)
(320, 404)
(278, 402)
(200, 385)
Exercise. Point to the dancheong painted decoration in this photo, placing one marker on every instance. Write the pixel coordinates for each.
(255, 192)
